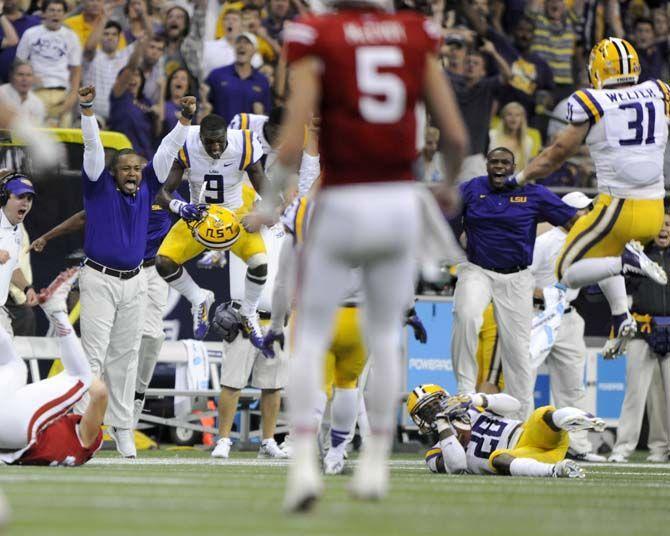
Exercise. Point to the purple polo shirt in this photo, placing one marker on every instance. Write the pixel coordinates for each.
(133, 119)
(8, 54)
(231, 95)
(500, 226)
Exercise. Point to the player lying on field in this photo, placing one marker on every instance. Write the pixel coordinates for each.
(36, 427)
(473, 436)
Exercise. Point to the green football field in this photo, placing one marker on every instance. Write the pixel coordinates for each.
(186, 493)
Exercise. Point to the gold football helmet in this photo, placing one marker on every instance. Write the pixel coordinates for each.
(423, 403)
(613, 61)
(218, 228)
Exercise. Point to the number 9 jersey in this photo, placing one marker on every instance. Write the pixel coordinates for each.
(627, 138)
(219, 181)
(372, 66)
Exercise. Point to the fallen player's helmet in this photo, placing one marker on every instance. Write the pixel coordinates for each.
(613, 61)
(227, 323)
(424, 403)
(218, 228)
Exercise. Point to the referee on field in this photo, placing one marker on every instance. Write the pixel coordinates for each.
(500, 224)
(113, 286)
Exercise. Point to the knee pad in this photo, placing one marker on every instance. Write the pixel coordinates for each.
(258, 271)
(257, 261)
(166, 268)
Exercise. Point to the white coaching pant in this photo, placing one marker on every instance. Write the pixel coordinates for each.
(152, 334)
(642, 365)
(112, 318)
(374, 227)
(512, 296)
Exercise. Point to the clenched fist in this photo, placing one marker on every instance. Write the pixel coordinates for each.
(86, 94)
(188, 107)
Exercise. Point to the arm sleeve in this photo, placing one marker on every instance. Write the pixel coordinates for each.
(252, 151)
(300, 40)
(94, 152)
(74, 54)
(283, 284)
(582, 107)
(310, 168)
(553, 209)
(168, 150)
(502, 404)
(235, 122)
(453, 456)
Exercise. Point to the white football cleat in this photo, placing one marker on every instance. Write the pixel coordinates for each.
(657, 457)
(270, 450)
(625, 331)
(222, 448)
(617, 458)
(567, 469)
(53, 298)
(583, 421)
(333, 463)
(635, 261)
(125, 441)
(287, 446)
(587, 457)
(303, 484)
(200, 314)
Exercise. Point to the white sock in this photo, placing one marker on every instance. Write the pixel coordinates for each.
(188, 288)
(614, 289)
(320, 408)
(591, 271)
(564, 413)
(362, 419)
(530, 467)
(252, 296)
(72, 354)
(343, 416)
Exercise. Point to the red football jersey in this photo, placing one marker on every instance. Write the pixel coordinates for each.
(58, 444)
(372, 72)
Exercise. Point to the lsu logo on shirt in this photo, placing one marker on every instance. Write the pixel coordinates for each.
(518, 199)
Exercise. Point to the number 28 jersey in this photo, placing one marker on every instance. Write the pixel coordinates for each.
(219, 181)
(627, 138)
(372, 67)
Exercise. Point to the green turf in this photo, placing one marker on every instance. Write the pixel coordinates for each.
(170, 495)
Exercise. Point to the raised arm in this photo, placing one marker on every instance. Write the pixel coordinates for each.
(123, 79)
(94, 38)
(73, 224)
(169, 147)
(94, 152)
(10, 38)
(505, 71)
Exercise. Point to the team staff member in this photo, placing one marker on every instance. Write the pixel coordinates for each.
(499, 225)
(113, 286)
(16, 198)
(647, 353)
(567, 358)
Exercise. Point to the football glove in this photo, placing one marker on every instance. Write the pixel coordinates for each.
(455, 406)
(186, 211)
(272, 337)
(412, 320)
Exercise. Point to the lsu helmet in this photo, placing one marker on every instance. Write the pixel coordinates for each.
(423, 403)
(218, 228)
(613, 61)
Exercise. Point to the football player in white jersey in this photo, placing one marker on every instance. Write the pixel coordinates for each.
(472, 434)
(215, 160)
(625, 125)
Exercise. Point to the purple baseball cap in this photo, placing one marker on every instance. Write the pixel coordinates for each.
(20, 186)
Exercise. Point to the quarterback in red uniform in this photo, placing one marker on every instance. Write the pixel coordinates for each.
(36, 427)
(363, 71)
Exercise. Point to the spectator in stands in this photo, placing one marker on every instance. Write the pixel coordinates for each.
(19, 92)
(278, 13)
(555, 41)
(83, 23)
(475, 93)
(157, 18)
(239, 88)
(513, 133)
(177, 87)
(20, 21)
(153, 67)
(221, 52)
(130, 112)
(532, 77)
(454, 54)
(661, 27)
(653, 55)
(185, 38)
(268, 48)
(647, 354)
(55, 54)
(103, 59)
(139, 21)
(430, 164)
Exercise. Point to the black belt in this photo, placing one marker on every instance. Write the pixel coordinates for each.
(349, 305)
(510, 270)
(121, 274)
(148, 262)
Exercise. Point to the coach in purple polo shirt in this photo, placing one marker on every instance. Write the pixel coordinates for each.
(21, 22)
(239, 88)
(500, 224)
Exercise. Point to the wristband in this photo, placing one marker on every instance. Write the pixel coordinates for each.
(86, 104)
(187, 115)
(27, 288)
(176, 205)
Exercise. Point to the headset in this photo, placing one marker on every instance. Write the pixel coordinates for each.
(11, 176)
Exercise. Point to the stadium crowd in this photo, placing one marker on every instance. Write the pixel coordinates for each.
(513, 65)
